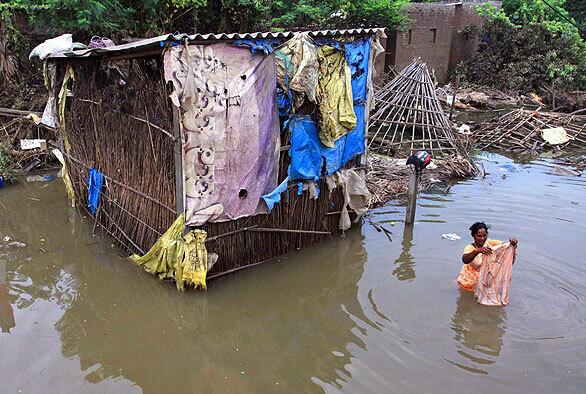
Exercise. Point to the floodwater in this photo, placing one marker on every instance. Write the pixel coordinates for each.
(363, 314)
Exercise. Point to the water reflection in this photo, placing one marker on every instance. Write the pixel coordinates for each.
(404, 269)
(87, 321)
(294, 330)
(6, 313)
(479, 331)
(119, 324)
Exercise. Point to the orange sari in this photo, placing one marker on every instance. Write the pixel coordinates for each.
(468, 277)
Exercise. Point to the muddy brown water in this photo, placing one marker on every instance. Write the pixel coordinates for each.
(360, 314)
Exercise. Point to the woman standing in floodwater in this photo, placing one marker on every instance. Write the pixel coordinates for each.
(472, 257)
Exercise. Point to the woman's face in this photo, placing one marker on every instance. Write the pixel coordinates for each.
(480, 237)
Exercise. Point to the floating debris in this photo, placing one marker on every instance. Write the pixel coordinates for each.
(451, 237)
(9, 243)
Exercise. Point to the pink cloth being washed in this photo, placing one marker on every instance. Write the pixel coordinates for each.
(495, 275)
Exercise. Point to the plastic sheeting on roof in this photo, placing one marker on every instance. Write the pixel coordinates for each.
(164, 40)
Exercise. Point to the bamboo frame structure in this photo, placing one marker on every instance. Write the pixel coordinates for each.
(409, 116)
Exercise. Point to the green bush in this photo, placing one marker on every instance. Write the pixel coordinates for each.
(117, 18)
(526, 46)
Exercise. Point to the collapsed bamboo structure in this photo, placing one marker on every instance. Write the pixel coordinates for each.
(408, 116)
(521, 131)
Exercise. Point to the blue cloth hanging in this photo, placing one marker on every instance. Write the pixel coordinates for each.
(358, 56)
(95, 183)
(274, 197)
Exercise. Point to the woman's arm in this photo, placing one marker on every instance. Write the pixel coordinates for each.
(468, 258)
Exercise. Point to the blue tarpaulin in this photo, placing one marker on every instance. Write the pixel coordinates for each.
(305, 151)
(274, 197)
(95, 182)
(354, 140)
(308, 154)
(357, 56)
(265, 45)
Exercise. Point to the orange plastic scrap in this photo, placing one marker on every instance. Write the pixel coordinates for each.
(495, 275)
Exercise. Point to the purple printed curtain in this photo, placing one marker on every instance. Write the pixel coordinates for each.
(230, 129)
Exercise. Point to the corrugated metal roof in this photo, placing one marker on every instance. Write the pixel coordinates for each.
(159, 42)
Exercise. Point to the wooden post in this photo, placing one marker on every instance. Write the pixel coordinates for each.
(456, 86)
(414, 178)
(178, 154)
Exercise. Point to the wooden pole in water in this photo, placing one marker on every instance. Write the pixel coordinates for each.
(414, 178)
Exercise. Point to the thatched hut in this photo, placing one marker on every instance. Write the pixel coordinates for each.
(242, 138)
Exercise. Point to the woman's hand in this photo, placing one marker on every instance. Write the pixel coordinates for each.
(484, 250)
(513, 241)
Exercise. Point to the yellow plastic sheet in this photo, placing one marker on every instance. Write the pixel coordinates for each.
(195, 262)
(69, 76)
(335, 96)
(183, 259)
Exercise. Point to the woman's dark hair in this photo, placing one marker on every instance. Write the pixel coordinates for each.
(477, 226)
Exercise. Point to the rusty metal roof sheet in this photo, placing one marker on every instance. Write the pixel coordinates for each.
(156, 43)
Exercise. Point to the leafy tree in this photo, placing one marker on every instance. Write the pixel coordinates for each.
(577, 10)
(527, 46)
(149, 17)
(79, 15)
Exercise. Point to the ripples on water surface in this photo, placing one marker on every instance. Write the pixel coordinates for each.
(361, 315)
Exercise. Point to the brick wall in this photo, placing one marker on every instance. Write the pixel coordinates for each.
(428, 36)
(434, 34)
(464, 41)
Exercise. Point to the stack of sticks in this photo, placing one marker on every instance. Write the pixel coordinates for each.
(408, 116)
(386, 178)
(126, 135)
(520, 131)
